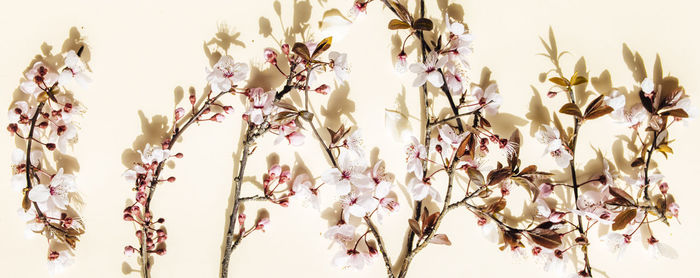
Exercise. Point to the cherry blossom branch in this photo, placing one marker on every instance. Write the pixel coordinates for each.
(30, 139)
(147, 219)
(380, 243)
(572, 167)
(646, 165)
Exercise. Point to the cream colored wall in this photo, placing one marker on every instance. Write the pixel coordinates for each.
(141, 52)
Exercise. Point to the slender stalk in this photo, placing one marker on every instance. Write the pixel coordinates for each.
(145, 262)
(646, 166)
(380, 243)
(28, 164)
(572, 167)
(252, 133)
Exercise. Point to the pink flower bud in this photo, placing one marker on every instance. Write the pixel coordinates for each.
(285, 49)
(674, 209)
(536, 250)
(128, 217)
(12, 128)
(228, 109)
(171, 179)
(50, 146)
(284, 203)
(179, 155)
(663, 187)
(53, 255)
(161, 251)
(193, 99)
(323, 89)
(262, 224)
(179, 113)
(481, 221)
(218, 117)
(67, 107)
(546, 189)
(551, 94)
(270, 56)
(129, 250)
(241, 219)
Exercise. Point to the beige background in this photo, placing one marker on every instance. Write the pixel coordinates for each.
(143, 52)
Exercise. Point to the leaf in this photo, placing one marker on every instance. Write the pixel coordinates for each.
(514, 141)
(559, 81)
(498, 175)
(423, 24)
(430, 222)
(322, 46)
(599, 112)
(441, 239)
(545, 237)
(401, 11)
(529, 170)
(301, 50)
(415, 227)
(396, 24)
(512, 238)
(524, 182)
(496, 206)
(664, 149)
(617, 192)
(578, 81)
(639, 161)
(571, 109)
(597, 102)
(462, 149)
(26, 203)
(623, 219)
(476, 177)
(678, 113)
(287, 106)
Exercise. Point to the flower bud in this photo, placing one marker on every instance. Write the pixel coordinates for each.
(193, 99)
(241, 219)
(129, 250)
(270, 56)
(551, 94)
(53, 255)
(323, 89)
(663, 187)
(161, 220)
(262, 224)
(171, 179)
(179, 155)
(228, 109)
(179, 113)
(128, 217)
(50, 146)
(218, 117)
(285, 49)
(12, 128)
(43, 125)
(161, 251)
(536, 250)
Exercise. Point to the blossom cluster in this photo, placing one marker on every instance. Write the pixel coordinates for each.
(46, 118)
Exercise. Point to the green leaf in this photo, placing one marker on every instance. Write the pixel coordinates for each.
(396, 24)
(559, 81)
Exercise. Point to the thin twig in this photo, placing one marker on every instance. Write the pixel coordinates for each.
(145, 263)
(380, 243)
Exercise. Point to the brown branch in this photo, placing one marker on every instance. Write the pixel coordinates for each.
(252, 133)
(380, 243)
(145, 263)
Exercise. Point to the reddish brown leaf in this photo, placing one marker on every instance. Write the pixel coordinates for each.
(623, 219)
(545, 238)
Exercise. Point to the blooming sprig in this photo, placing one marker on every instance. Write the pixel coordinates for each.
(48, 116)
